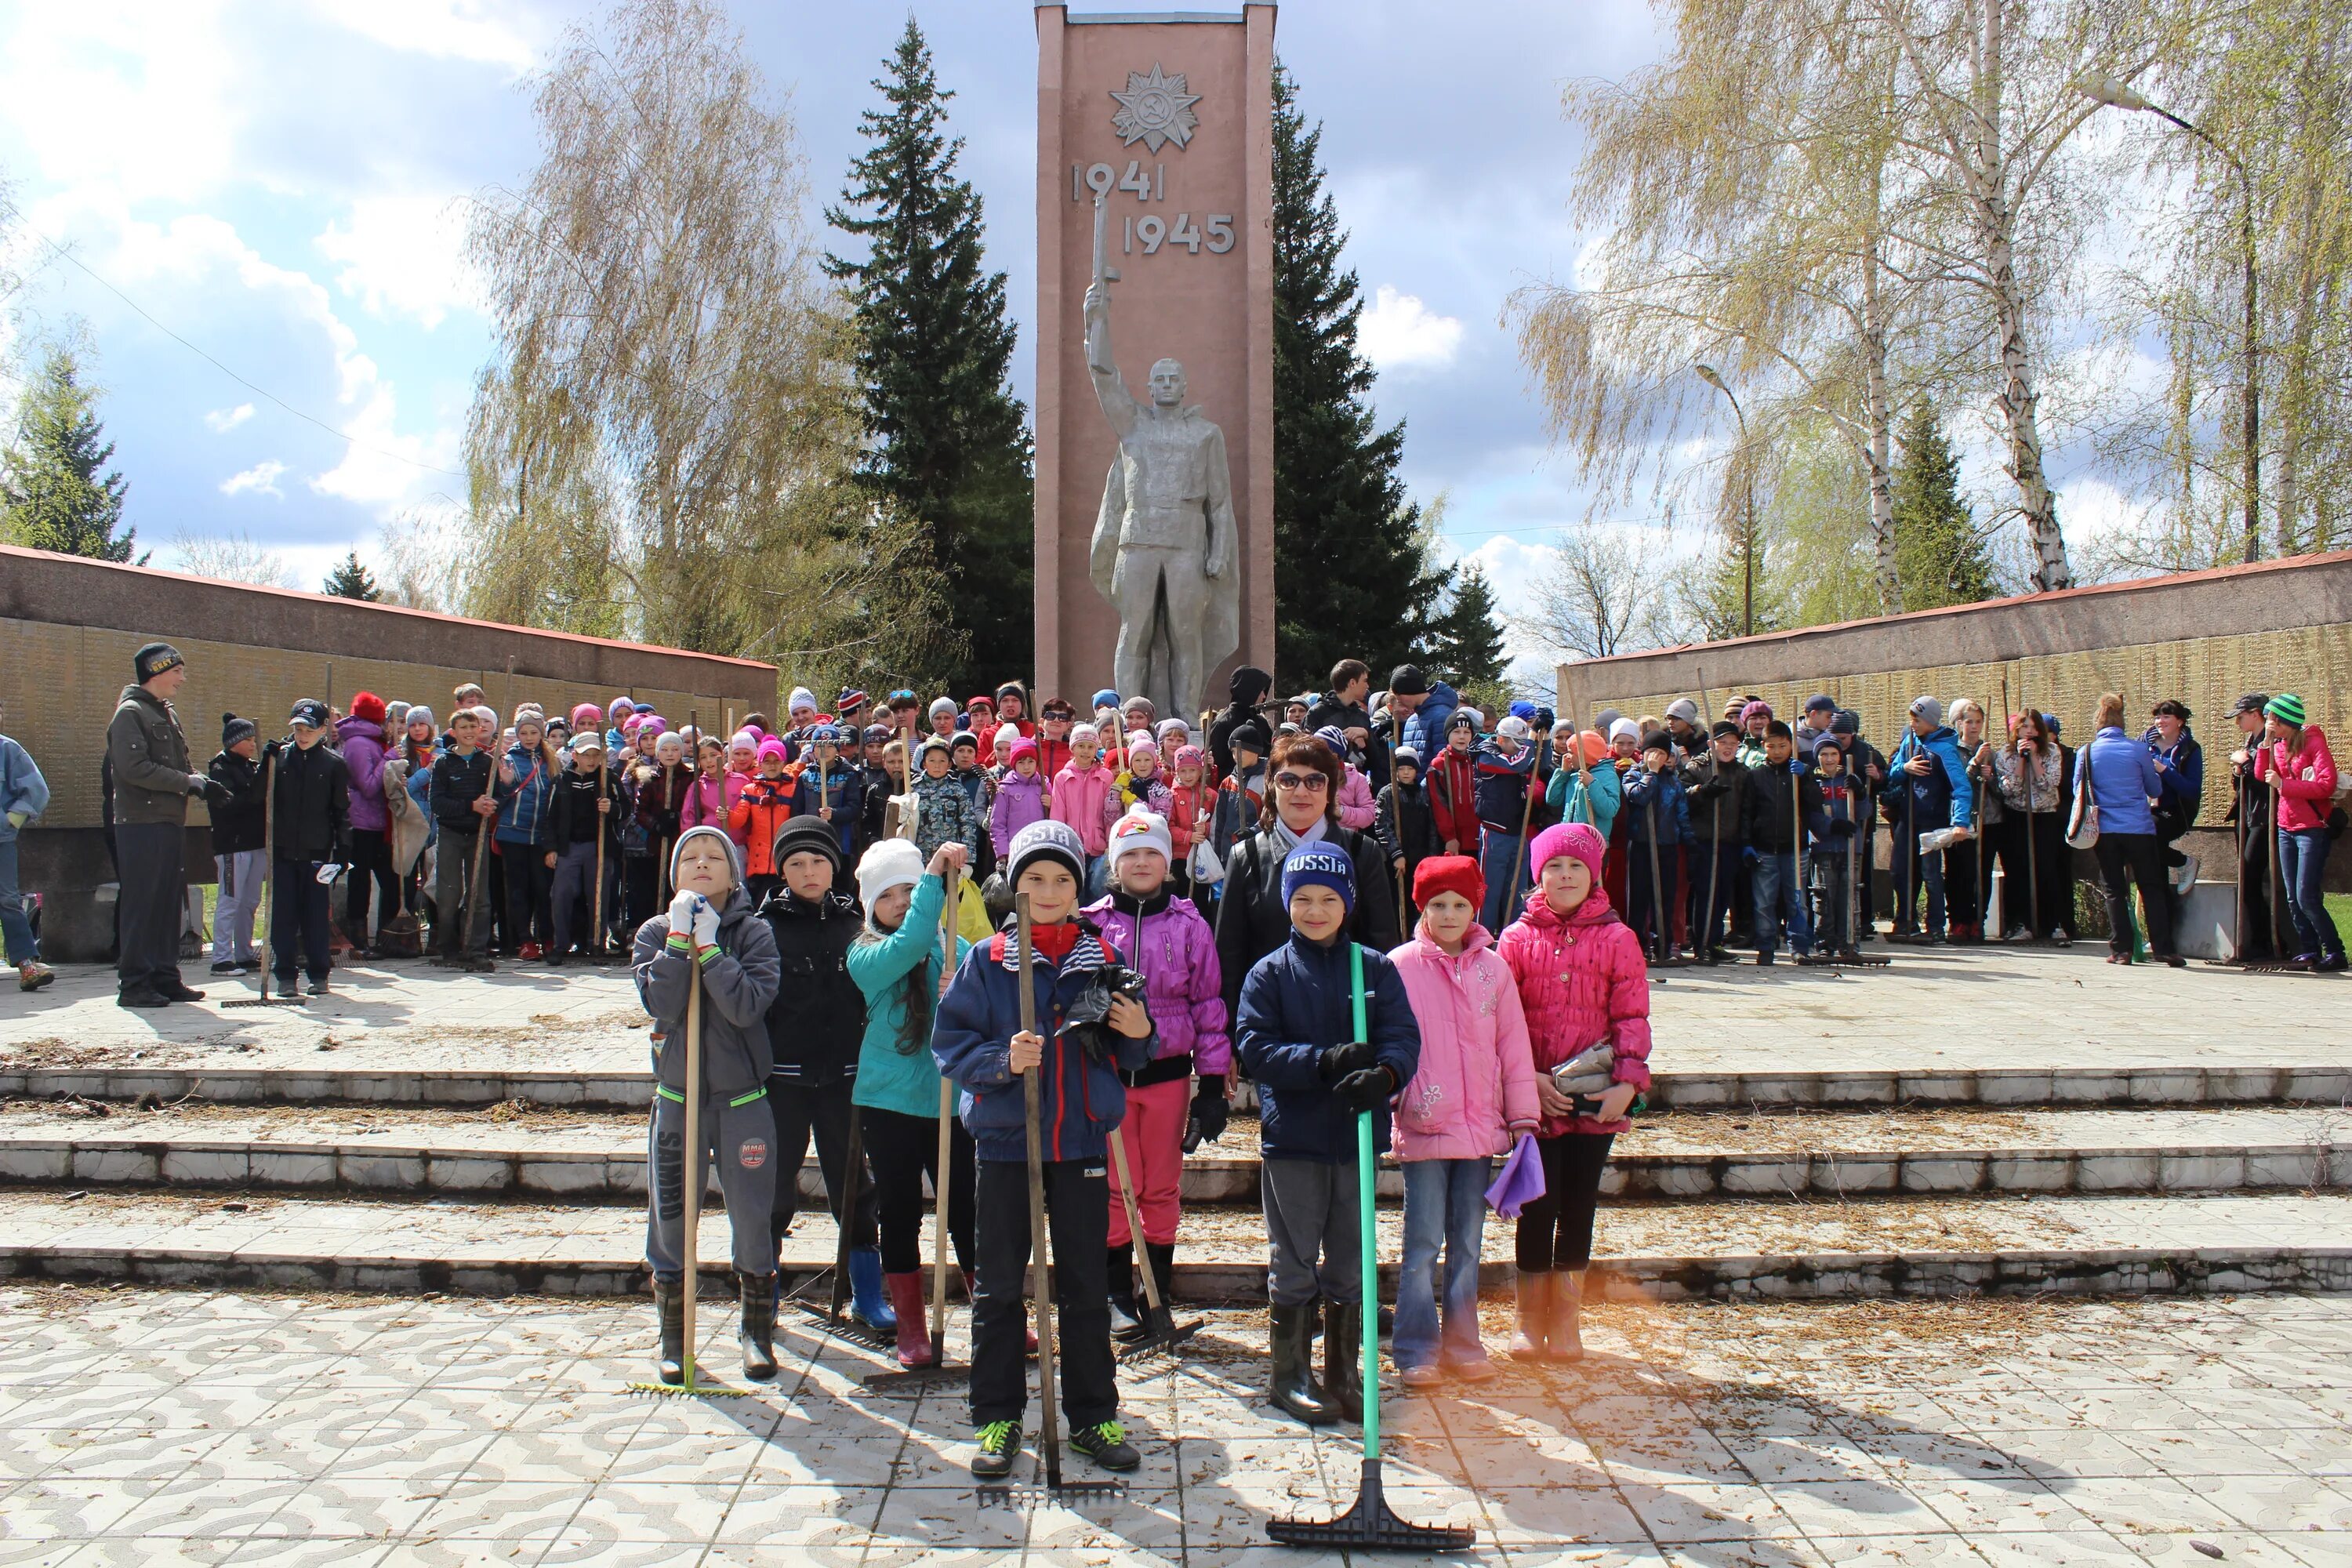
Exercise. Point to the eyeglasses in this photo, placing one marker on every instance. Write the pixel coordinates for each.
(1312, 783)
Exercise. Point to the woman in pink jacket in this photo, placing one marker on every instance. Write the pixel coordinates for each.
(1473, 1093)
(710, 798)
(2294, 757)
(1183, 1088)
(1584, 983)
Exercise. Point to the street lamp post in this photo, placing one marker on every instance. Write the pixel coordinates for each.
(1748, 544)
(2107, 89)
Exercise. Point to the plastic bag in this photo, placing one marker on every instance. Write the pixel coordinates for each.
(1521, 1182)
(1207, 870)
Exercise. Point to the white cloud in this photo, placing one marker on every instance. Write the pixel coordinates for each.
(224, 420)
(1398, 332)
(446, 29)
(261, 479)
(133, 96)
(402, 254)
(373, 470)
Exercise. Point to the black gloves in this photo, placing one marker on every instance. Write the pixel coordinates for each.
(216, 793)
(1337, 1061)
(1209, 1114)
(1366, 1091)
(1841, 828)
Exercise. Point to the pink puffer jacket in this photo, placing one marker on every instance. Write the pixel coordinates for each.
(2305, 781)
(1357, 808)
(1476, 1090)
(1077, 799)
(711, 802)
(1171, 946)
(1582, 979)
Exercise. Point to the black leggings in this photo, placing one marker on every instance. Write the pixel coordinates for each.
(800, 1110)
(371, 856)
(2139, 857)
(1556, 1229)
(902, 1150)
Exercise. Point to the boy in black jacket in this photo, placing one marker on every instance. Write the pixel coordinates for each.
(1717, 786)
(461, 803)
(238, 834)
(1402, 822)
(814, 1028)
(312, 837)
(587, 806)
(1777, 794)
(1834, 835)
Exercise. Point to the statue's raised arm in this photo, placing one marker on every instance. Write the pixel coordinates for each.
(1118, 405)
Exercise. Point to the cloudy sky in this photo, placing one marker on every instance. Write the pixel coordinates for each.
(279, 186)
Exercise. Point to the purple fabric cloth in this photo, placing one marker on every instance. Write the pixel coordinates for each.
(362, 742)
(1521, 1181)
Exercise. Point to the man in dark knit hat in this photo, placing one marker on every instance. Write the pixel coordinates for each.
(148, 754)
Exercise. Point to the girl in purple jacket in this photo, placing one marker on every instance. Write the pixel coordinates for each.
(1182, 1089)
(1021, 795)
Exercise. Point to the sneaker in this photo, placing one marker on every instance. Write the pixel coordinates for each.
(248, 966)
(531, 953)
(1106, 1443)
(31, 974)
(226, 967)
(2017, 933)
(1764, 960)
(139, 999)
(999, 1445)
(317, 988)
(2060, 939)
(2331, 964)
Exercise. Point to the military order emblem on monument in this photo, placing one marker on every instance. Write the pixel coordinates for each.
(1155, 110)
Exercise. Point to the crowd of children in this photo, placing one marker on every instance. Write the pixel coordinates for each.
(1410, 914)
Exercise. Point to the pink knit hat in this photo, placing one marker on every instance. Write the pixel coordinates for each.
(587, 716)
(1575, 839)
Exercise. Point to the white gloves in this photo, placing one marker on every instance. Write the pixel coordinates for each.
(681, 910)
(329, 872)
(706, 922)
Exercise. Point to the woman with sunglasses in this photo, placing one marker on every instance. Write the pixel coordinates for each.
(1301, 807)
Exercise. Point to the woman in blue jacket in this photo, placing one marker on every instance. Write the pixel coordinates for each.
(23, 795)
(2121, 777)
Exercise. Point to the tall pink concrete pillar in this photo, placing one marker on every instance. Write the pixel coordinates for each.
(1172, 115)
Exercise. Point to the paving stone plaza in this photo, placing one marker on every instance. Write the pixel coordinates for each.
(2039, 1275)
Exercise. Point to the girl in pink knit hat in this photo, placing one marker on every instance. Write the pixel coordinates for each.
(1585, 990)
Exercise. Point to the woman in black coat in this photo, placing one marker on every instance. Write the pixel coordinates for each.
(1252, 918)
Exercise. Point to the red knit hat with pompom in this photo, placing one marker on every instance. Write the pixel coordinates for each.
(368, 706)
(1449, 874)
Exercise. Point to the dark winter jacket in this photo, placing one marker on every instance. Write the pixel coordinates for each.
(237, 826)
(841, 786)
(1080, 1100)
(739, 982)
(572, 816)
(1842, 817)
(661, 791)
(1401, 821)
(1766, 823)
(1657, 799)
(874, 802)
(1501, 787)
(1253, 919)
(2183, 775)
(313, 804)
(1943, 795)
(1715, 792)
(1296, 1002)
(148, 754)
(459, 781)
(817, 1021)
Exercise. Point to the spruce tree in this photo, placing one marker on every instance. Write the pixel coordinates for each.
(1938, 554)
(947, 440)
(1351, 577)
(350, 580)
(1469, 642)
(52, 496)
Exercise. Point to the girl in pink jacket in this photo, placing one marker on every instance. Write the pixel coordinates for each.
(1181, 1091)
(2294, 757)
(1357, 807)
(1473, 1095)
(1583, 984)
(710, 798)
(1077, 798)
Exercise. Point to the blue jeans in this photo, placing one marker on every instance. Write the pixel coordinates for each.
(1444, 1202)
(2302, 860)
(16, 930)
(1910, 869)
(1499, 860)
(1777, 886)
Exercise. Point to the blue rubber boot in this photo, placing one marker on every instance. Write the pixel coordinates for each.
(867, 1302)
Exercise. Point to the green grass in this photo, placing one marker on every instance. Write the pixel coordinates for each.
(2339, 909)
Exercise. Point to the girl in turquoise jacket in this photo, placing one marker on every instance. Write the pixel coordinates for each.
(895, 963)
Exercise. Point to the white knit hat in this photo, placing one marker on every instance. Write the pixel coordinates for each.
(1625, 726)
(888, 863)
(1137, 830)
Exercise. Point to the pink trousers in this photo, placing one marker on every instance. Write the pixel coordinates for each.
(1154, 1135)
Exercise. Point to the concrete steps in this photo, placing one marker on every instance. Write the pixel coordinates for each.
(585, 1157)
(1718, 1250)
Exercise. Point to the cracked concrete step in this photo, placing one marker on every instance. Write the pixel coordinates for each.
(1877, 1248)
(611, 1080)
(599, 1158)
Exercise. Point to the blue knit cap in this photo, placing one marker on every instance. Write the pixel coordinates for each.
(1317, 864)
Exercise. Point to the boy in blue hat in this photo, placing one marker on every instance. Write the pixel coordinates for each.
(1297, 1036)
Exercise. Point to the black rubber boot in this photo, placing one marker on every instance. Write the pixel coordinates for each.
(1343, 1363)
(758, 1333)
(1161, 1256)
(1126, 1324)
(1290, 1382)
(670, 1303)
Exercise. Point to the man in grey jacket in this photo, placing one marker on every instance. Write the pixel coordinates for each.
(152, 782)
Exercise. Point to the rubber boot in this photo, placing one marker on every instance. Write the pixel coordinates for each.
(1343, 1358)
(1290, 1372)
(670, 1305)
(866, 1303)
(758, 1331)
(1535, 1316)
(1126, 1324)
(1566, 1329)
(914, 1332)
(1161, 1256)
